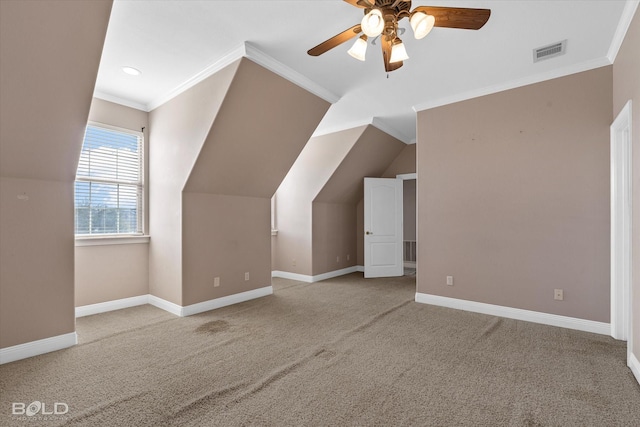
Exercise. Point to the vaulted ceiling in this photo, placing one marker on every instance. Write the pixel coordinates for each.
(174, 42)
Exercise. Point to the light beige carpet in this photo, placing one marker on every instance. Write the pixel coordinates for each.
(343, 352)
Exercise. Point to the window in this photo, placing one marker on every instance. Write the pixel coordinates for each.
(109, 182)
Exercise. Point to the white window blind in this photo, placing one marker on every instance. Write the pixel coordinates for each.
(109, 182)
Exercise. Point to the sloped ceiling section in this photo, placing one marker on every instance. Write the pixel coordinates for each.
(50, 56)
(369, 157)
(262, 126)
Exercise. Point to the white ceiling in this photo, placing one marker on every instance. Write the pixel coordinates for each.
(173, 41)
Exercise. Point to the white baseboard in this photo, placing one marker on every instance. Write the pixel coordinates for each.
(201, 307)
(360, 268)
(335, 273)
(517, 313)
(165, 305)
(225, 301)
(292, 276)
(318, 277)
(634, 365)
(36, 348)
(103, 307)
(410, 264)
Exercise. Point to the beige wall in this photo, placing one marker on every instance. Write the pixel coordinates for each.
(110, 272)
(36, 272)
(626, 86)
(371, 156)
(225, 237)
(316, 204)
(218, 154)
(334, 245)
(403, 164)
(293, 200)
(177, 131)
(50, 56)
(513, 197)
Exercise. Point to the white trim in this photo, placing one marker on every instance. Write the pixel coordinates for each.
(103, 307)
(318, 277)
(634, 365)
(327, 130)
(406, 176)
(36, 348)
(622, 28)
(390, 130)
(210, 70)
(292, 276)
(208, 305)
(201, 307)
(111, 240)
(120, 101)
(525, 81)
(516, 313)
(266, 61)
(332, 274)
(410, 264)
(360, 268)
(165, 305)
(621, 224)
(372, 121)
(251, 52)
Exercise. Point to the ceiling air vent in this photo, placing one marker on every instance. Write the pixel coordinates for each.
(549, 51)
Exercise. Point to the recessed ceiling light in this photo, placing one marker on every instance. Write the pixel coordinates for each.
(131, 71)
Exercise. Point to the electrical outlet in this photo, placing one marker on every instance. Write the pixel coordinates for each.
(216, 282)
(449, 280)
(246, 276)
(558, 294)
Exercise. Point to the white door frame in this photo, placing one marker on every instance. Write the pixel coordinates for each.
(621, 226)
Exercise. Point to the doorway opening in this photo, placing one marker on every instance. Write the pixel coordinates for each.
(409, 221)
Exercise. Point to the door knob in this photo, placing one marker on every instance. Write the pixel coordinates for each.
(368, 232)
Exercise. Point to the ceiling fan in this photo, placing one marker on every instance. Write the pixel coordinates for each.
(381, 19)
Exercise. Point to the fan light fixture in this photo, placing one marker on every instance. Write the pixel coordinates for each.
(359, 48)
(381, 19)
(398, 52)
(422, 24)
(373, 23)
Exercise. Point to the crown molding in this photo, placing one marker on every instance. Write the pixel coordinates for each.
(384, 127)
(210, 70)
(326, 130)
(120, 101)
(376, 122)
(266, 61)
(623, 26)
(249, 51)
(512, 84)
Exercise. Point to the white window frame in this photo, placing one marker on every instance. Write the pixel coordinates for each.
(118, 238)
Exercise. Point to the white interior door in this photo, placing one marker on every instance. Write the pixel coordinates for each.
(383, 227)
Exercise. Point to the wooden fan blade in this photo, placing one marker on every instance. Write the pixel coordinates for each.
(335, 41)
(457, 17)
(359, 3)
(386, 55)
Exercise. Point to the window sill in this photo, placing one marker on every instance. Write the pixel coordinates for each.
(111, 240)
